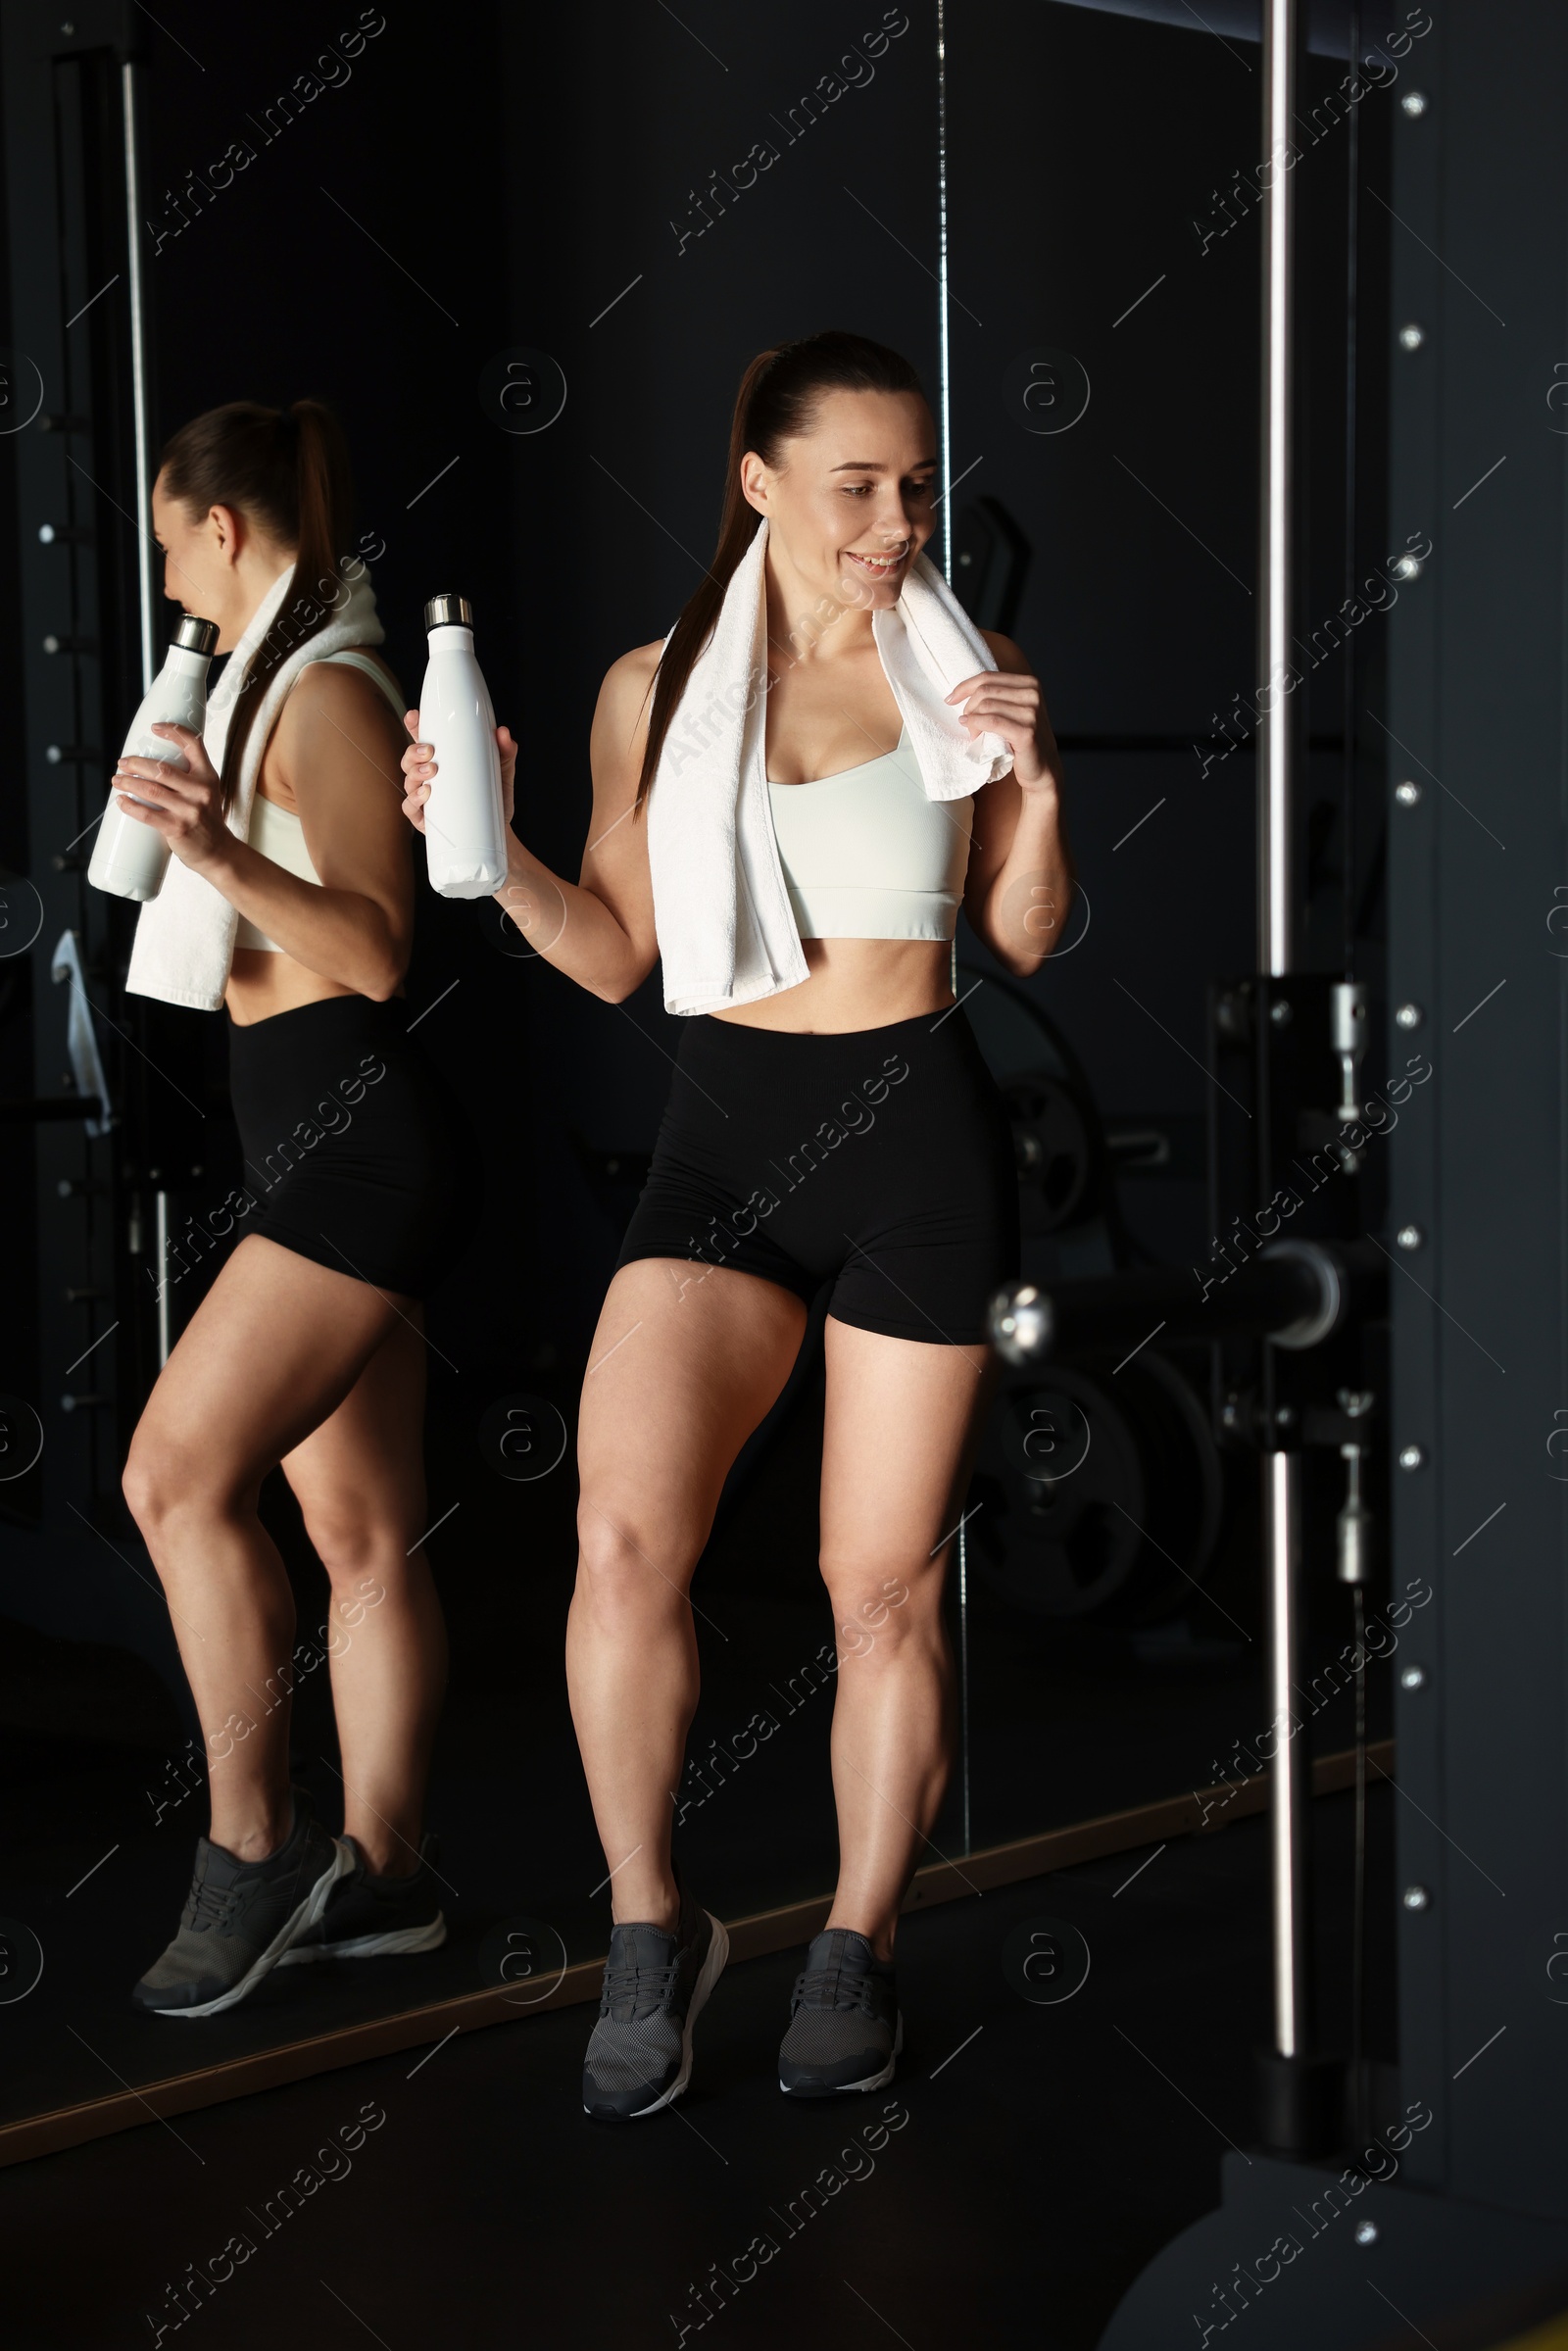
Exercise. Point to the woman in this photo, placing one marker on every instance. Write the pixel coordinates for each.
(308, 1350)
(837, 1127)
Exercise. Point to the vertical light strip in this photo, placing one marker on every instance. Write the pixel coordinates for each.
(1277, 552)
(1288, 1779)
(161, 1254)
(944, 430)
(944, 381)
(964, 1677)
(141, 420)
(1289, 1783)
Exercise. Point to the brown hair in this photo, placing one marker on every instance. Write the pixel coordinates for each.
(778, 397)
(286, 471)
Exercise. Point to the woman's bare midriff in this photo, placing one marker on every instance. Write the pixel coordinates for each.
(262, 983)
(857, 983)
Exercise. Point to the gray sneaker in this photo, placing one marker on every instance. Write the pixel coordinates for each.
(656, 1982)
(240, 1918)
(370, 1918)
(845, 2027)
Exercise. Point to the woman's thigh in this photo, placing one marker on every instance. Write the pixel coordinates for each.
(273, 1350)
(685, 1362)
(897, 1434)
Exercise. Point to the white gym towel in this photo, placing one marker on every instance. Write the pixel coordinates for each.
(721, 911)
(184, 943)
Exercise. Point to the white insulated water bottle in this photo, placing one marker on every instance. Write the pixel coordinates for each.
(464, 822)
(129, 859)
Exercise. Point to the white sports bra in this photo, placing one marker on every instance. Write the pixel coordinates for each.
(867, 856)
(277, 833)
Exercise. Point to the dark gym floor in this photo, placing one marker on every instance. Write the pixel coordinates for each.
(1027, 2161)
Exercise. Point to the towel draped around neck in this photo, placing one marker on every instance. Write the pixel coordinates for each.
(184, 945)
(726, 932)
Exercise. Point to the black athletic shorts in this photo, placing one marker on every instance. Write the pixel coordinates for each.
(357, 1155)
(880, 1161)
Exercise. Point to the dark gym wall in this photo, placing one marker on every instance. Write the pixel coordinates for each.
(1476, 953)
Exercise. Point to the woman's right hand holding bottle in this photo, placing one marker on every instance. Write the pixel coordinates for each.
(419, 771)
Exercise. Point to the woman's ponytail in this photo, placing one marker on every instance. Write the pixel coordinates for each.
(321, 499)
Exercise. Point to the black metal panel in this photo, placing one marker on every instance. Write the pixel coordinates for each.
(1475, 720)
(1286, 1165)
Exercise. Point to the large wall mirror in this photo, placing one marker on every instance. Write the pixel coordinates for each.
(526, 267)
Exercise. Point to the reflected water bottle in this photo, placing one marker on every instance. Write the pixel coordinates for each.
(129, 859)
(464, 822)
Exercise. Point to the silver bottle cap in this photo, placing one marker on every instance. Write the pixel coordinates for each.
(196, 636)
(449, 611)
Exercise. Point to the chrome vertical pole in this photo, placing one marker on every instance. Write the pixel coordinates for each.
(1276, 736)
(1276, 794)
(161, 1260)
(964, 1677)
(140, 362)
(943, 382)
(146, 585)
(1288, 1771)
(944, 431)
